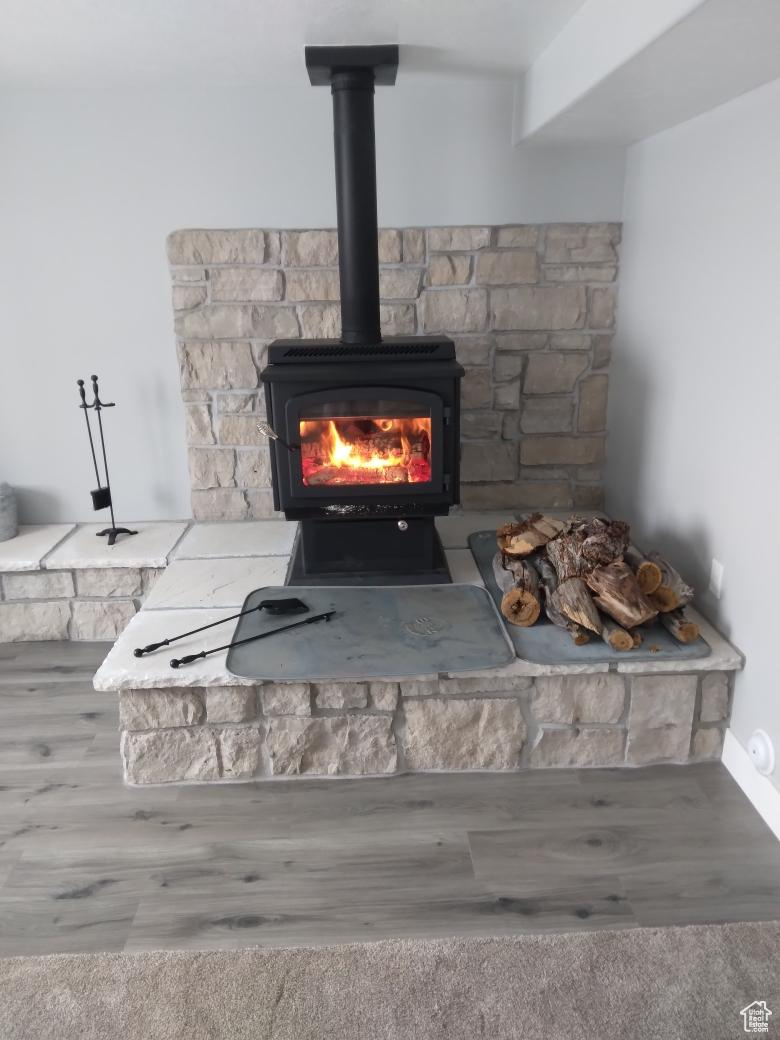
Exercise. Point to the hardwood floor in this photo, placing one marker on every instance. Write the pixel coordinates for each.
(89, 864)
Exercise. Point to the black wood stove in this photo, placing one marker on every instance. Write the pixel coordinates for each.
(364, 432)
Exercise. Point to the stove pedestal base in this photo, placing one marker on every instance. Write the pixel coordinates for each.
(368, 552)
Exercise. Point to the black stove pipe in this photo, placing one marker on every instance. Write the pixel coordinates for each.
(352, 73)
(355, 148)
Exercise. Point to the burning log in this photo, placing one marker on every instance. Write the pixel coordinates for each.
(682, 628)
(648, 573)
(616, 637)
(521, 538)
(672, 593)
(519, 582)
(548, 581)
(618, 594)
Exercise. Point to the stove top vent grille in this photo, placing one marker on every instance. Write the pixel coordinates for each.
(290, 351)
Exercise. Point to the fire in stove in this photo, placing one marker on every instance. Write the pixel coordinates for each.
(365, 450)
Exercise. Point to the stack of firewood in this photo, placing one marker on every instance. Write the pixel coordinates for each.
(584, 575)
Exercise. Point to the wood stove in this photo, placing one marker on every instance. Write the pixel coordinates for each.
(364, 432)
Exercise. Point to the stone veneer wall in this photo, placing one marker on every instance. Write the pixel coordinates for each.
(93, 603)
(368, 728)
(531, 310)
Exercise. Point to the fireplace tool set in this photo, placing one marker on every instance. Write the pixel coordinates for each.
(275, 607)
(101, 496)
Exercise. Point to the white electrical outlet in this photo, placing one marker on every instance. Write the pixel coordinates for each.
(716, 578)
(762, 752)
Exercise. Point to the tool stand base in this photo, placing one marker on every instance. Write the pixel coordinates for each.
(113, 533)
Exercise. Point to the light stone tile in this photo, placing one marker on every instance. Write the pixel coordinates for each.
(29, 621)
(99, 619)
(463, 734)
(660, 718)
(708, 743)
(161, 756)
(150, 547)
(111, 581)
(586, 746)
(121, 670)
(340, 696)
(487, 461)
(285, 699)
(579, 699)
(214, 582)
(462, 567)
(532, 669)
(241, 750)
(38, 585)
(384, 695)
(356, 744)
(454, 530)
(160, 709)
(28, 548)
(522, 494)
(714, 697)
(230, 704)
(443, 239)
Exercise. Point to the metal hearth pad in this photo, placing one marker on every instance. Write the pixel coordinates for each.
(545, 643)
(377, 632)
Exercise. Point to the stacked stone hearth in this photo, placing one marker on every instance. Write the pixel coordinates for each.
(202, 722)
(60, 581)
(367, 728)
(531, 310)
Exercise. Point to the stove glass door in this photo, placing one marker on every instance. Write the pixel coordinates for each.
(387, 440)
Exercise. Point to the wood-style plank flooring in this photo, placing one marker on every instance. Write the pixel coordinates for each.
(89, 864)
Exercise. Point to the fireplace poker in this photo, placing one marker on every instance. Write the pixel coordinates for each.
(178, 662)
(273, 606)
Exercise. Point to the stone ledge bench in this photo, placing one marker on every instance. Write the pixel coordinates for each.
(60, 581)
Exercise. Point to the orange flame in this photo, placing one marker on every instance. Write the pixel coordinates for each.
(365, 450)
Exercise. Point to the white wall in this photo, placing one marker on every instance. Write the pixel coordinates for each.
(90, 184)
(694, 426)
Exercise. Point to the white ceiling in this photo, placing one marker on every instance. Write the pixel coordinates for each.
(716, 51)
(104, 43)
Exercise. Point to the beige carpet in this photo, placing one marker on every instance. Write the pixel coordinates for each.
(685, 983)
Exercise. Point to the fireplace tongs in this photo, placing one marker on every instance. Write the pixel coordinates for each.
(292, 605)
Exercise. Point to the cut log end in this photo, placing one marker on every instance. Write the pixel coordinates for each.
(648, 576)
(520, 608)
(648, 573)
(521, 538)
(672, 593)
(665, 599)
(681, 627)
(616, 636)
